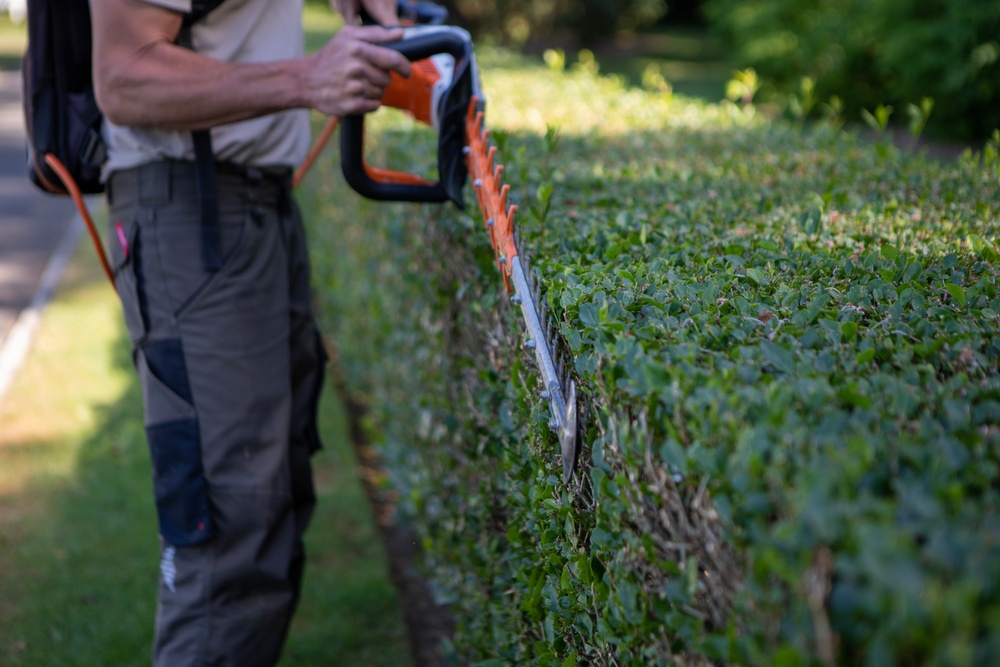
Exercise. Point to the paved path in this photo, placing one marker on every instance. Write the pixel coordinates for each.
(32, 225)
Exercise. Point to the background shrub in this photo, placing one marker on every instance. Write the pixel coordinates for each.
(871, 52)
(787, 344)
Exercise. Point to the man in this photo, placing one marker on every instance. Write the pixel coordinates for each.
(217, 304)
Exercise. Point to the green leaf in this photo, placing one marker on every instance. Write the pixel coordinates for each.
(780, 358)
(851, 394)
(956, 292)
(912, 271)
(757, 276)
(849, 330)
(982, 247)
(788, 656)
(544, 193)
(590, 315)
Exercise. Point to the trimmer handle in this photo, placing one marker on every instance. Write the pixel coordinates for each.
(385, 185)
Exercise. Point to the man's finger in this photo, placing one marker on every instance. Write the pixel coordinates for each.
(374, 34)
(387, 59)
(348, 10)
(376, 76)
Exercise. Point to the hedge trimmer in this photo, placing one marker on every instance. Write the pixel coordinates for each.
(444, 92)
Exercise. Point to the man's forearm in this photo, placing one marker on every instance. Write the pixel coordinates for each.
(143, 78)
(170, 87)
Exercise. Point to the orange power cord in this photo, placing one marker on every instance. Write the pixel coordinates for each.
(74, 191)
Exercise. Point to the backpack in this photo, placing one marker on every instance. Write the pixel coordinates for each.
(60, 111)
(65, 146)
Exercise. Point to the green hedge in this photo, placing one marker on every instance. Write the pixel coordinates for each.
(787, 346)
(871, 52)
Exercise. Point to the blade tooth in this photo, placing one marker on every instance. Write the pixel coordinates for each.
(498, 175)
(490, 155)
(503, 197)
(480, 126)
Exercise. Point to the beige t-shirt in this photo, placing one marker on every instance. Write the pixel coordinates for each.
(237, 31)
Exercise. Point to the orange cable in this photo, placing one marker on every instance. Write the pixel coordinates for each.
(318, 145)
(71, 186)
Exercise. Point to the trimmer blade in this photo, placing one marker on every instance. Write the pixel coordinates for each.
(567, 434)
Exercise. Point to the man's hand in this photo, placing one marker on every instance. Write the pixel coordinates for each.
(383, 11)
(349, 75)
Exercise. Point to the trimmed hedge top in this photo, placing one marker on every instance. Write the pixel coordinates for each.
(788, 345)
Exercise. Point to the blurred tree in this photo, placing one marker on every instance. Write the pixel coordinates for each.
(683, 12)
(871, 52)
(516, 21)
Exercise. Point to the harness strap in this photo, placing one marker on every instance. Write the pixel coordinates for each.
(208, 195)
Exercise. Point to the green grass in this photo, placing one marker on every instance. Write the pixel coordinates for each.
(13, 38)
(78, 546)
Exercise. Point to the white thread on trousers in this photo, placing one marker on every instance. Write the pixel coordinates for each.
(167, 568)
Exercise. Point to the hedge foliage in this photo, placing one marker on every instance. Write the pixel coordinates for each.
(787, 345)
(894, 53)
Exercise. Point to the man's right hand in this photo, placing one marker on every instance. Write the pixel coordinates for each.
(350, 74)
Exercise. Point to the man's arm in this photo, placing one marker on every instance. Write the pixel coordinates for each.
(142, 78)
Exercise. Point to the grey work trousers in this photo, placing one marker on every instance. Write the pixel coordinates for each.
(231, 366)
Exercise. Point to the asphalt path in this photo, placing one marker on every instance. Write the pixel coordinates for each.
(33, 227)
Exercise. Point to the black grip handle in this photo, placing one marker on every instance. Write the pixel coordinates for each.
(352, 163)
(352, 132)
(421, 46)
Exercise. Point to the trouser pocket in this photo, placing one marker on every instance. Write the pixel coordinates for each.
(174, 438)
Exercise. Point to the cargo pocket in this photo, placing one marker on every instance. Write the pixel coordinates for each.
(179, 484)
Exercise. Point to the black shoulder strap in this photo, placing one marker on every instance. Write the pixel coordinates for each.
(200, 9)
(204, 158)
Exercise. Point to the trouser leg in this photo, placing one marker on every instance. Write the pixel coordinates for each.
(230, 369)
(308, 370)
